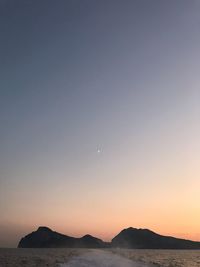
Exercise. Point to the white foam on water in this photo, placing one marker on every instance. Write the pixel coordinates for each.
(98, 258)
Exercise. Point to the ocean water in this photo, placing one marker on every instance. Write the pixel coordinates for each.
(163, 258)
(98, 258)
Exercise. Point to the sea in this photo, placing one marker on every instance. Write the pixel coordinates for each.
(98, 258)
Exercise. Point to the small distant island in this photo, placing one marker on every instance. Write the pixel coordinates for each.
(133, 238)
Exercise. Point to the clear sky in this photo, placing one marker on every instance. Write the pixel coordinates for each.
(100, 117)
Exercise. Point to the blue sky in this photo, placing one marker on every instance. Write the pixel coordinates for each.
(119, 76)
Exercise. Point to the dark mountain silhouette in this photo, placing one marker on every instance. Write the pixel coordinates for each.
(90, 242)
(146, 239)
(44, 237)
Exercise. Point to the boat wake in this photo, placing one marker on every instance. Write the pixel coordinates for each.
(99, 258)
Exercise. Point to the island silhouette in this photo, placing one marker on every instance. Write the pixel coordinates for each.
(131, 237)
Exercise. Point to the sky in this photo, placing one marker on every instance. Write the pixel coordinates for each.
(100, 117)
